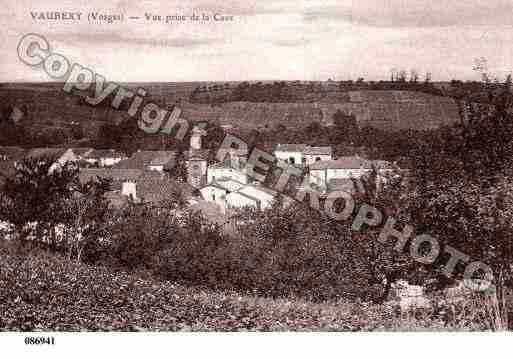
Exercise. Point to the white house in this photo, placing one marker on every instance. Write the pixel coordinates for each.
(291, 153)
(241, 200)
(251, 195)
(301, 154)
(104, 158)
(214, 193)
(226, 171)
(322, 172)
(316, 154)
(217, 190)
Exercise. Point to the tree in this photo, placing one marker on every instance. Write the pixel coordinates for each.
(414, 76)
(44, 201)
(85, 216)
(461, 188)
(77, 132)
(346, 126)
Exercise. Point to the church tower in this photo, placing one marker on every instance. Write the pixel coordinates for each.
(197, 160)
(197, 133)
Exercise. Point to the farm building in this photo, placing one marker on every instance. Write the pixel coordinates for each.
(104, 158)
(322, 172)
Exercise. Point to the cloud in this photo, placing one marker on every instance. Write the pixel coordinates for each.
(245, 7)
(110, 37)
(291, 42)
(415, 13)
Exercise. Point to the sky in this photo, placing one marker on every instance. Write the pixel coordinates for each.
(268, 40)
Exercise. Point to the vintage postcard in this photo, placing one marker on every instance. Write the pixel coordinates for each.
(255, 166)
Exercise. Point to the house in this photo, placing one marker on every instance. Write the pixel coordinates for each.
(104, 158)
(213, 192)
(158, 189)
(217, 190)
(316, 154)
(225, 170)
(123, 180)
(149, 161)
(163, 162)
(291, 153)
(82, 152)
(251, 196)
(322, 172)
(301, 154)
(60, 156)
(141, 186)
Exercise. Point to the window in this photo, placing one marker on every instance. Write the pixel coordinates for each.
(317, 159)
(213, 196)
(292, 160)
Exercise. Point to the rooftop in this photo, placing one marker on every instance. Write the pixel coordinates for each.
(318, 150)
(229, 184)
(348, 162)
(97, 154)
(82, 151)
(87, 174)
(155, 189)
(143, 159)
(291, 147)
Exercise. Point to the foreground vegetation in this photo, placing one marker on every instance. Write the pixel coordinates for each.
(42, 291)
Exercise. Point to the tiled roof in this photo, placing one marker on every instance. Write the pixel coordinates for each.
(82, 151)
(143, 159)
(250, 190)
(292, 147)
(229, 184)
(97, 154)
(86, 174)
(164, 160)
(349, 162)
(245, 195)
(318, 150)
(158, 188)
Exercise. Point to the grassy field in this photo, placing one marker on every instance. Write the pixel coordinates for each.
(44, 292)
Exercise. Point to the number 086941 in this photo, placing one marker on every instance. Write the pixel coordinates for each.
(39, 340)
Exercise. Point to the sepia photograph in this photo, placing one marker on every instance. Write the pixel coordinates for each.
(288, 167)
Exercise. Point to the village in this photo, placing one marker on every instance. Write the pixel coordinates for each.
(146, 176)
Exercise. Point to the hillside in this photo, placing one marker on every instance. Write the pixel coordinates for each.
(47, 106)
(387, 110)
(44, 292)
